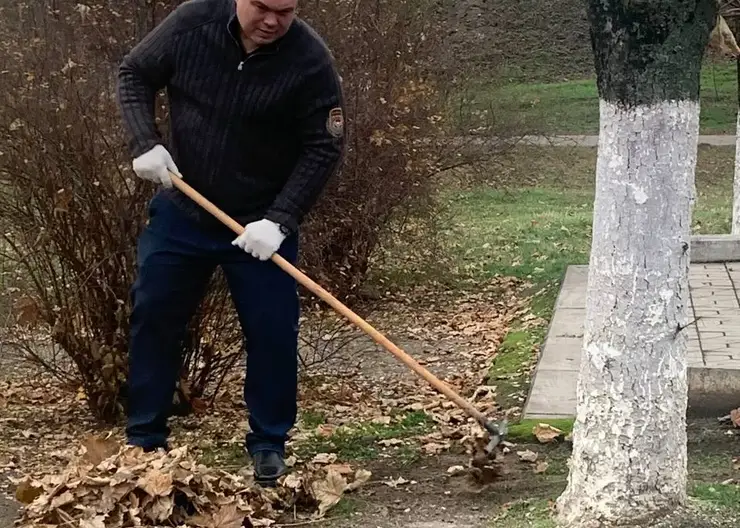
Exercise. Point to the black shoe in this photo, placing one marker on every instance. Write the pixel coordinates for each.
(268, 467)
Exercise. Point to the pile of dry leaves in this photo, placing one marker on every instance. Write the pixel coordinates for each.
(109, 486)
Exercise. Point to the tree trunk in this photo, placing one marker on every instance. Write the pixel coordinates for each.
(736, 180)
(629, 441)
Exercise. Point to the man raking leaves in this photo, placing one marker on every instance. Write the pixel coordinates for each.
(257, 127)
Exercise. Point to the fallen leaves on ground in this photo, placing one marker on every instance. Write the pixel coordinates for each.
(527, 456)
(735, 417)
(129, 487)
(454, 334)
(546, 433)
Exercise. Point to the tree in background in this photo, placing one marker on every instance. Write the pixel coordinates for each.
(629, 443)
(724, 42)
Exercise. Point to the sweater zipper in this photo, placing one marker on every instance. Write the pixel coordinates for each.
(240, 67)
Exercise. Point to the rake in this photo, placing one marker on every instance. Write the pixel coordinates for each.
(497, 432)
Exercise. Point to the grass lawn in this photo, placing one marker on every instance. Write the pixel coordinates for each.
(538, 221)
(573, 107)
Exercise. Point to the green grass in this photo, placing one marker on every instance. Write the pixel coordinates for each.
(534, 219)
(312, 419)
(355, 443)
(723, 495)
(532, 233)
(359, 442)
(572, 107)
(717, 501)
(534, 513)
(522, 431)
(509, 372)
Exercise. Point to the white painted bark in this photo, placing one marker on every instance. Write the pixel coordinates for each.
(736, 184)
(629, 448)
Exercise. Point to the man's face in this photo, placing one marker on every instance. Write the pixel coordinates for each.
(264, 21)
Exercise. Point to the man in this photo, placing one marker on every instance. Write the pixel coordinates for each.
(256, 126)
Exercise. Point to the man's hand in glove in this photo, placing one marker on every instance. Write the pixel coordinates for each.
(260, 239)
(154, 164)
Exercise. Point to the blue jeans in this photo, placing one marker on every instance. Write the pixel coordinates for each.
(176, 259)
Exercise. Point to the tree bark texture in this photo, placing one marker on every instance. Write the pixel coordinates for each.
(629, 442)
(736, 180)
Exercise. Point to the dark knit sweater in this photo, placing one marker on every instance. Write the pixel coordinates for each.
(252, 133)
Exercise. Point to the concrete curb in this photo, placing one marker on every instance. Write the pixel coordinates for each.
(715, 248)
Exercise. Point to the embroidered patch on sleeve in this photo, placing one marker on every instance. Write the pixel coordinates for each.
(335, 122)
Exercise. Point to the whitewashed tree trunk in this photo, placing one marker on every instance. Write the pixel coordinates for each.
(736, 183)
(629, 451)
(629, 443)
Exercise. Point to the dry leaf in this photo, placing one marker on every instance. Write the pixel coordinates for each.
(62, 500)
(293, 481)
(325, 431)
(156, 483)
(455, 470)
(735, 417)
(160, 509)
(390, 442)
(95, 522)
(26, 491)
(527, 456)
(98, 449)
(328, 491)
(434, 448)
(394, 483)
(342, 469)
(546, 433)
(362, 476)
(324, 458)
(541, 466)
(228, 517)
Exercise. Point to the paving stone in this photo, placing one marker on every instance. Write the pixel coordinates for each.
(571, 294)
(728, 364)
(568, 322)
(561, 354)
(713, 340)
(553, 395)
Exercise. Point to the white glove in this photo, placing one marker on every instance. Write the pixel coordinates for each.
(260, 239)
(154, 164)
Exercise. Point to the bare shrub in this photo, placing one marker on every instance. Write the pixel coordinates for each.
(71, 209)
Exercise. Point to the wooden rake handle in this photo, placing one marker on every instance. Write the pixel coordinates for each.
(336, 304)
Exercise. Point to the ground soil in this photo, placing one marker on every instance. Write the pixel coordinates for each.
(461, 502)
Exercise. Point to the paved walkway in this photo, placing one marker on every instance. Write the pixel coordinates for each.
(714, 340)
